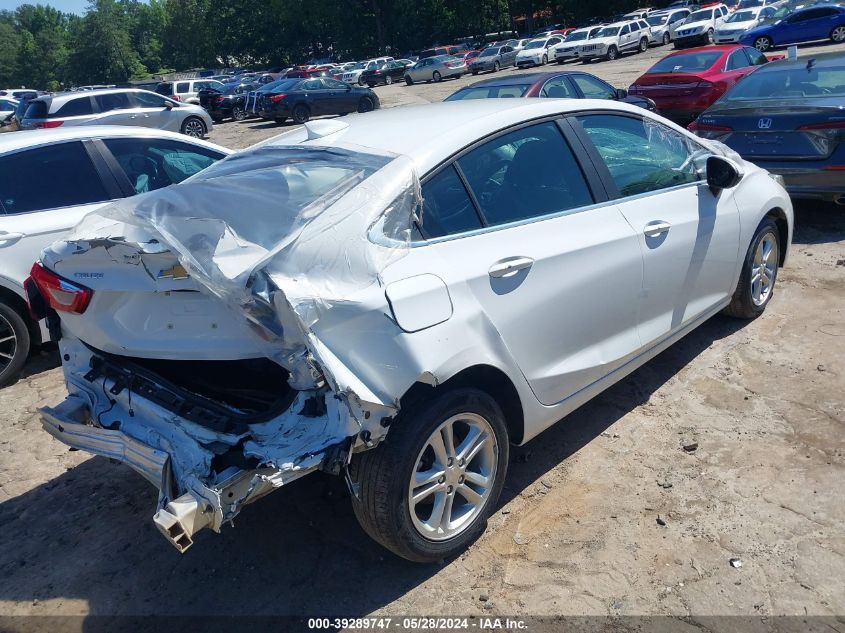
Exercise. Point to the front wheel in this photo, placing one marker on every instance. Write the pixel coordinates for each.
(408, 81)
(666, 39)
(545, 60)
(495, 67)
(436, 76)
(643, 45)
(763, 43)
(759, 272)
(194, 127)
(426, 493)
(612, 53)
(838, 34)
(14, 344)
(709, 36)
(365, 105)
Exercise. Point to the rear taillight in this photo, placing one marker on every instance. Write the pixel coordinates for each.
(277, 98)
(61, 295)
(48, 124)
(826, 125)
(695, 126)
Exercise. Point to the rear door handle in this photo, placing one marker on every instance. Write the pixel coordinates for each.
(7, 239)
(509, 266)
(653, 229)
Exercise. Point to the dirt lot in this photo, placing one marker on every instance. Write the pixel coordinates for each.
(576, 531)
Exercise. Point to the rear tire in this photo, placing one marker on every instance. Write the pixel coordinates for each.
(408, 81)
(436, 76)
(759, 273)
(238, 113)
(386, 508)
(301, 114)
(194, 127)
(838, 34)
(16, 343)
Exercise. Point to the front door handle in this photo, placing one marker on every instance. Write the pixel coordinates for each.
(653, 229)
(7, 239)
(510, 266)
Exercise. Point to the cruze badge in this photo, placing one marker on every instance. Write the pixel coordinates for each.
(764, 124)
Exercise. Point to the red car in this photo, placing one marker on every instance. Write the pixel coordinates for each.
(685, 83)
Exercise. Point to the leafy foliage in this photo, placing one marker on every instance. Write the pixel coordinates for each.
(118, 40)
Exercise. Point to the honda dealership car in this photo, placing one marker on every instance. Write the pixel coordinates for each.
(787, 117)
(451, 293)
(50, 179)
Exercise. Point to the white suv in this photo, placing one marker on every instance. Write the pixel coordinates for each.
(662, 24)
(569, 48)
(614, 39)
(50, 179)
(187, 90)
(699, 28)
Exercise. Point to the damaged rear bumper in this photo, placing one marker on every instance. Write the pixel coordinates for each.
(178, 518)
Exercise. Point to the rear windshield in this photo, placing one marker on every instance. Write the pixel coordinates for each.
(37, 110)
(685, 63)
(490, 92)
(792, 83)
(165, 89)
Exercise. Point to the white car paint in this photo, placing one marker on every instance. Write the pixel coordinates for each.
(568, 49)
(622, 36)
(536, 51)
(663, 23)
(374, 314)
(24, 235)
(700, 22)
(741, 21)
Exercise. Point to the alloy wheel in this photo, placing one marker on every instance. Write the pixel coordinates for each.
(194, 128)
(388, 80)
(762, 44)
(238, 114)
(453, 477)
(838, 34)
(764, 269)
(710, 36)
(8, 343)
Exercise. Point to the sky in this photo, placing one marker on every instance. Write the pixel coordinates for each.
(68, 6)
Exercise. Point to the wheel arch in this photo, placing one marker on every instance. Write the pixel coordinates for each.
(487, 378)
(779, 216)
(17, 303)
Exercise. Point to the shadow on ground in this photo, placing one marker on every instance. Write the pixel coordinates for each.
(87, 535)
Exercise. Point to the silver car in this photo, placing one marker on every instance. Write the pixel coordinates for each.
(493, 58)
(435, 69)
(120, 106)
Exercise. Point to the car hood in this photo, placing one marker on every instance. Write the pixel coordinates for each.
(695, 25)
(531, 52)
(599, 40)
(737, 26)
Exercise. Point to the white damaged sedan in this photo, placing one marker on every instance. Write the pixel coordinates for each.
(393, 306)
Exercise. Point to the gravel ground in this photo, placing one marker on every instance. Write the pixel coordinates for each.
(577, 530)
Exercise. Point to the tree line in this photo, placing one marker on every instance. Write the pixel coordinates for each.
(121, 40)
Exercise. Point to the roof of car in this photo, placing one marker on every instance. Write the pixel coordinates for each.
(519, 79)
(67, 96)
(719, 48)
(26, 138)
(407, 130)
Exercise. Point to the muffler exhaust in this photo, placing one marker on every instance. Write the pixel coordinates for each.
(180, 519)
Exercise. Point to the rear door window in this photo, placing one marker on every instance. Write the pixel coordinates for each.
(527, 173)
(113, 101)
(151, 164)
(447, 207)
(67, 169)
(75, 107)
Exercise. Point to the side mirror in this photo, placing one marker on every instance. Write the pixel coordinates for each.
(621, 93)
(721, 174)
(168, 105)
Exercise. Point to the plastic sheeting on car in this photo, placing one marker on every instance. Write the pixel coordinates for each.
(280, 233)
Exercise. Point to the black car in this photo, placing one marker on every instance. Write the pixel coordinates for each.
(560, 85)
(787, 117)
(301, 99)
(387, 73)
(229, 101)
